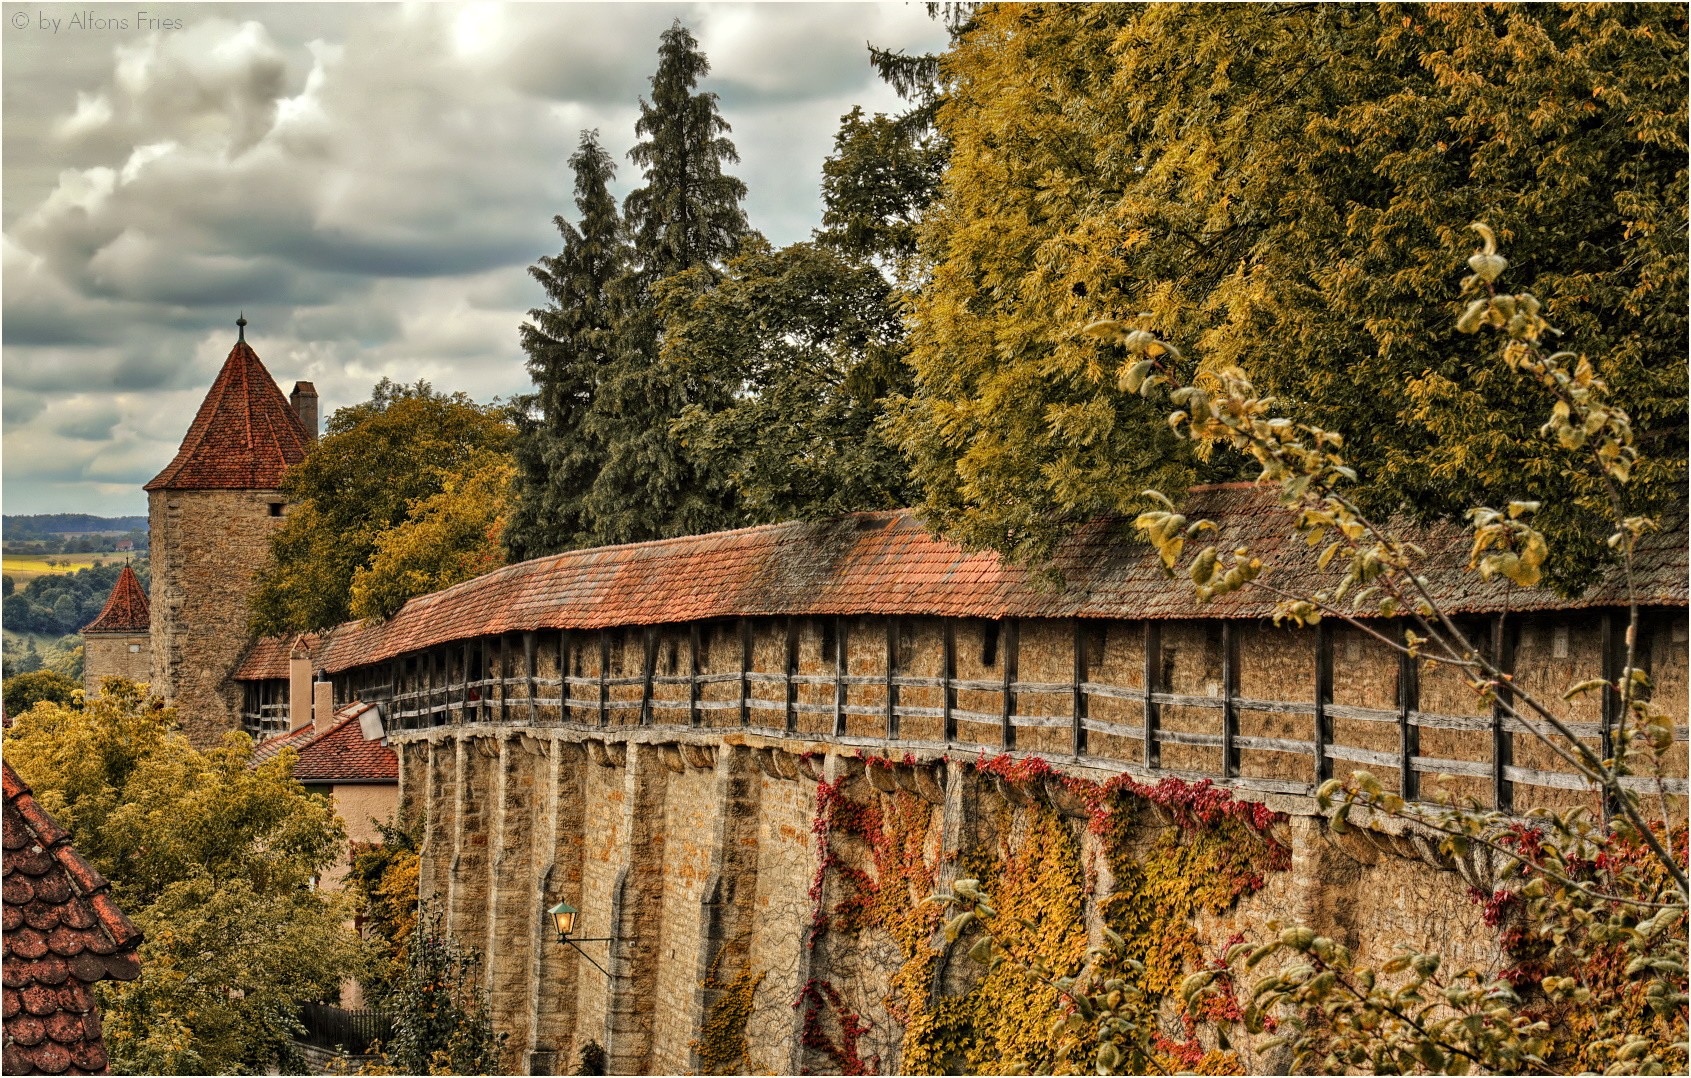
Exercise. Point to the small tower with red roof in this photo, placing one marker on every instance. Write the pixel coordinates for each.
(211, 513)
(118, 643)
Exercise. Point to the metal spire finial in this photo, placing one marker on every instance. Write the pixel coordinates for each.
(241, 324)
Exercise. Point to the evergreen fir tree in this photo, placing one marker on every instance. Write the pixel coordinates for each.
(570, 344)
(688, 214)
(689, 211)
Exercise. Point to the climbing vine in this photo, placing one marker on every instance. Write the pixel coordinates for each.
(1210, 852)
(721, 1046)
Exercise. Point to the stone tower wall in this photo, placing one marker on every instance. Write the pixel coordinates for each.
(206, 545)
(126, 655)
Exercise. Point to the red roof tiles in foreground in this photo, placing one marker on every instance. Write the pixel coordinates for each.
(63, 935)
(340, 754)
(126, 610)
(244, 437)
(888, 563)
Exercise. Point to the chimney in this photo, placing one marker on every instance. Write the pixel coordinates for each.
(299, 691)
(304, 400)
(322, 705)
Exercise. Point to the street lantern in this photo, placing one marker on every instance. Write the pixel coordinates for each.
(563, 917)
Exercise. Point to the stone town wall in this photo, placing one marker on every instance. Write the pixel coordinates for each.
(125, 655)
(668, 781)
(695, 849)
(205, 546)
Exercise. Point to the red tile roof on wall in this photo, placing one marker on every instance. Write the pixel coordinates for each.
(888, 563)
(244, 437)
(63, 935)
(340, 754)
(126, 609)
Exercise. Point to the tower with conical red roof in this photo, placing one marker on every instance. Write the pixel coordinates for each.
(118, 643)
(211, 513)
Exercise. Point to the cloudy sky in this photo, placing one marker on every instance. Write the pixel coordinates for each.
(369, 182)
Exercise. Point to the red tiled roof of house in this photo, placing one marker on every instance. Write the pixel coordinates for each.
(888, 563)
(293, 739)
(244, 437)
(126, 609)
(63, 935)
(340, 754)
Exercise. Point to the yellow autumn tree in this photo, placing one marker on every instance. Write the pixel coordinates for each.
(445, 538)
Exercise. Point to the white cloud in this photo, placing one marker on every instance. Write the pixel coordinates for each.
(368, 182)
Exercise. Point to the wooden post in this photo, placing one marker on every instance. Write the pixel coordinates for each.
(1153, 684)
(1323, 697)
(948, 674)
(484, 712)
(1077, 709)
(745, 667)
(504, 675)
(531, 664)
(1229, 696)
(892, 674)
(1502, 741)
(1613, 664)
(1409, 735)
(693, 714)
(604, 675)
(648, 659)
(842, 670)
(564, 675)
(1010, 648)
(792, 666)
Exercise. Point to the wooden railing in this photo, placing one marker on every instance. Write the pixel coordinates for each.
(421, 692)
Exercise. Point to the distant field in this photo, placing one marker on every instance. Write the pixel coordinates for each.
(25, 569)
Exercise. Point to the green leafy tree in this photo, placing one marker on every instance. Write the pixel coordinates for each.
(1601, 977)
(445, 538)
(800, 346)
(1276, 183)
(876, 184)
(441, 1023)
(570, 344)
(24, 691)
(362, 479)
(383, 877)
(214, 857)
(686, 214)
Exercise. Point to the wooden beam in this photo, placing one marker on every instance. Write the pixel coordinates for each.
(948, 675)
(1408, 734)
(791, 668)
(504, 675)
(564, 674)
(842, 670)
(531, 665)
(892, 673)
(1613, 662)
(1077, 708)
(1009, 648)
(648, 659)
(604, 675)
(694, 715)
(745, 668)
(1229, 698)
(1504, 633)
(1153, 634)
(1323, 697)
